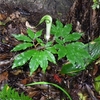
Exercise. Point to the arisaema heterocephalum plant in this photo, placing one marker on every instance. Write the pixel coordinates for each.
(39, 53)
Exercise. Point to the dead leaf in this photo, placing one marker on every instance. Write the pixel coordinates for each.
(2, 16)
(91, 93)
(3, 76)
(15, 15)
(33, 28)
(24, 81)
(16, 72)
(98, 61)
(95, 70)
(33, 93)
(43, 98)
(5, 56)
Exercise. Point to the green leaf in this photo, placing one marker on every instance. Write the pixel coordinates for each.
(40, 41)
(31, 34)
(60, 41)
(48, 44)
(59, 30)
(22, 46)
(76, 53)
(34, 62)
(38, 34)
(7, 93)
(61, 50)
(39, 58)
(22, 58)
(67, 29)
(22, 37)
(52, 49)
(56, 30)
(94, 1)
(43, 60)
(59, 24)
(50, 56)
(2, 23)
(70, 69)
(94, 50)
(97, 84)
(73, 37)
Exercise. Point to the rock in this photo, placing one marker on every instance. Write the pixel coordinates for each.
(57, 8)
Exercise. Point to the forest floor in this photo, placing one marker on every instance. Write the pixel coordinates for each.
(15, 23)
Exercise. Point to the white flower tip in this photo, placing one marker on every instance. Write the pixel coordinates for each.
(47, 37)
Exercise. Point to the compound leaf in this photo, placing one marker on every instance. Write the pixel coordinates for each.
(61, 50)
(76, 53)
(56, 30)
(22, 58)
(22, 37)
(72, 37)
(59, 24)
(93, 48)
(66, 29)
(39, 58)
(22, 46)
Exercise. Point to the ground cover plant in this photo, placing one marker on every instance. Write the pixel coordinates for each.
(81, 82)
(63, 44)
(96, 4)
(8, 93)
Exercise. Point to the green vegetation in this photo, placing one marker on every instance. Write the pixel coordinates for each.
(96, 4)
(63, 44)
(97, 84)
(55, 85)
(94, 51)
(48, 21)
(8, 93)
(82, 96)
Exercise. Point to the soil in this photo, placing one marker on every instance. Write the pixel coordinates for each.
(83, 19)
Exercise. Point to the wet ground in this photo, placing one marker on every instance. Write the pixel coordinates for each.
(14, 22)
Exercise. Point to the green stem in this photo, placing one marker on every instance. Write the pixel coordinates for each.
(57, 86)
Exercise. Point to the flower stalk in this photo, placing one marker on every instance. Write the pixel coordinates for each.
(48, 21)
